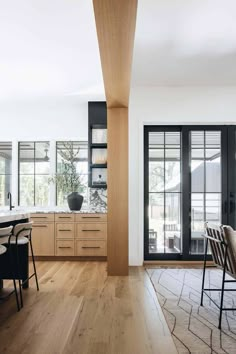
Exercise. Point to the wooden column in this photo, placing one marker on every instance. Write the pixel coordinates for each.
(117, 243)
(115, 23)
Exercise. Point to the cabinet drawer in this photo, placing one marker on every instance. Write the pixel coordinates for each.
(91, 248)
(43, 239)
(63, 217)
(91, 231)
(42, 217)
(65, 230)
(65, 248)
(91, 218)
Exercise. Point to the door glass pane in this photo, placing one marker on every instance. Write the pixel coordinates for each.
(164, 192)
(156, 223)
(206, 193)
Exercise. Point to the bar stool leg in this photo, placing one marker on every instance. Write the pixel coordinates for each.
(17, 300)
(18, 274)
(35, 272)
(13, 277)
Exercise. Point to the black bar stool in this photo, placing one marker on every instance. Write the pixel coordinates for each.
(22, 235)
(5, 234)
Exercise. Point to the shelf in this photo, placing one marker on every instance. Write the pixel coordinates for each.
(98, 146)
(98, 126)
(98, 165)
(94, 185)
(97, 142)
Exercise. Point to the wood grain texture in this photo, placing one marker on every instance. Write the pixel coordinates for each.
(117, 197)
(79, 309)
(115, 23)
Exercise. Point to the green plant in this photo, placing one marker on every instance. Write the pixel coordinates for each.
(68, 179)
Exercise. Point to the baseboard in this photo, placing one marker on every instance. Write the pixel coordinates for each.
(176, 263)
(69, 258)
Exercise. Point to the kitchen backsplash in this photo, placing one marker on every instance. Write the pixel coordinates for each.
(98, 199)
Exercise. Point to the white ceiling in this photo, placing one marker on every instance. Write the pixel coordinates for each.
(185, 42)
(49, 47)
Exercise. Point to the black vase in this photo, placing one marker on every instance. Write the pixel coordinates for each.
(75, 201)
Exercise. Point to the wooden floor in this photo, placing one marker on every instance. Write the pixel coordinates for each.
(80, 310)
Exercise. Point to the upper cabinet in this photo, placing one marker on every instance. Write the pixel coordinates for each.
(97, 141)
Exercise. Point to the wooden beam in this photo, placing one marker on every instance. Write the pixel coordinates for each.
(115, 23)
(117, 225)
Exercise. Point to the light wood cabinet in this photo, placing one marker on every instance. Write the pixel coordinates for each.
(91, 248)
(91, 231)
(42, 217)
(65, 230)
(43, 239)
(65, 217)
(69, 234)
(65, 248)
(90, 218)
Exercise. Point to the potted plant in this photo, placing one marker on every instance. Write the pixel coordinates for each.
(68, 180)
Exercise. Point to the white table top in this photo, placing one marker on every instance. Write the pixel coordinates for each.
(7, 216)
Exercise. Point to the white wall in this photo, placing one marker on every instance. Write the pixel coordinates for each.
(44, 119)
(158, 106)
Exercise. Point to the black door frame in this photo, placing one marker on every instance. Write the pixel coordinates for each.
(227, 154)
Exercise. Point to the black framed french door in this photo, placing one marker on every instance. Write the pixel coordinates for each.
(189, 178)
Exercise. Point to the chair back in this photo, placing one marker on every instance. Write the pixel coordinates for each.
(219, 245)
(230, 237)
(5, 232)
(23, 229)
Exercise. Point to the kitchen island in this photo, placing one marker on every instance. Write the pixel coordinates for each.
(11, 218)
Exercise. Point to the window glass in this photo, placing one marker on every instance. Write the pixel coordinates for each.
(34, 169)
(5, 171)
(72, 156)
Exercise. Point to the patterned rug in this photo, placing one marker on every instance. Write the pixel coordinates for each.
(195, 328)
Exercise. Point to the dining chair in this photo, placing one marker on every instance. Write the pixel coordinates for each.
(222, 243)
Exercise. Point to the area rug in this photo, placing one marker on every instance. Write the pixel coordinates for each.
(195, 328)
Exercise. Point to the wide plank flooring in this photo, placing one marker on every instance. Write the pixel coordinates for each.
(80, 310)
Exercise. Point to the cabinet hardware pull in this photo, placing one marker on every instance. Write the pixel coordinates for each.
(64, 247)
(91, 217)
(40, 225)
(64, 217)
(65, 230)
(39, 217)
(90, 230)
(91, 247)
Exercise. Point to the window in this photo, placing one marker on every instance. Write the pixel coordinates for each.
(5, 171)
(34, 170)
(164, 192)
(79, 152)
(189, 179)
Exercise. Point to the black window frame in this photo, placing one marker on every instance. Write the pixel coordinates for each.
(5, 144)
(34, 174)
(227, 155)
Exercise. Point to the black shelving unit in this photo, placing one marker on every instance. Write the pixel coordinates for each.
(97, 119)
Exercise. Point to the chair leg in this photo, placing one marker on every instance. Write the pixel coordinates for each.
(17, 300)
(13, 278)
(222, 297)
(204, 271)
(21, 296)
(18, 272)
(35, 272)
